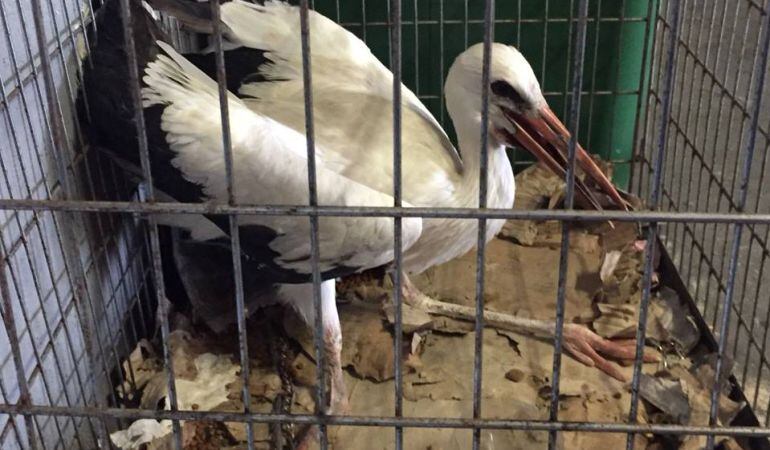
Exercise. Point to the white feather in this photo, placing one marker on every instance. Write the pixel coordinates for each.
(270, 167)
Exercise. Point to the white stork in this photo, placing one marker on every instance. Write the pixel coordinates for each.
(352, 93)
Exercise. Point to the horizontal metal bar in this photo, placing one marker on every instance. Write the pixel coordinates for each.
(557, 93)
(123, 207)
(497, 21)
(379, 421)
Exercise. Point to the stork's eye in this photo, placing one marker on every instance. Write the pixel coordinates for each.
(501, 88)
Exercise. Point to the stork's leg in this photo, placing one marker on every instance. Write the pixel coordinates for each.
(579, 341)
(300, 297)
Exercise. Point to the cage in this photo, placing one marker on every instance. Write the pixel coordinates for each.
(671, 92)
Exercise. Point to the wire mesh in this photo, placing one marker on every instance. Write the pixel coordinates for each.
(718, 94)
(81, 277)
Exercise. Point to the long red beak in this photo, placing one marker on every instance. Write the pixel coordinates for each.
(546, 137)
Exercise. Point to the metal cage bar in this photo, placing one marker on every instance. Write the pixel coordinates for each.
(307, 83)
(235, 242)
(489, 31)
(655, 194)
(578, 38)
(398, 257)
(149, 192)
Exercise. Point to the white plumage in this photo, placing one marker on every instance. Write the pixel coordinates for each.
(352, 94)
(269, 166)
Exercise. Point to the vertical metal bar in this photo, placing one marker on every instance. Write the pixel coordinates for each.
(337, 9)
(746, 38)
(545, 44)
(440, 60)
(579, 43)
(518, 23)
(670, 161)
(592, 90)
(307, 83)
(363, 20)
(645, 97)
(235, 241)
(760, 73)
(387, 11)
(13, 339)
(570, 44)
(416, 53)
(544, 53)
(615, 91)
(465, 24)
(675, 179)
(395, 67)
(144, 154)
(641, 329)
(489, 32)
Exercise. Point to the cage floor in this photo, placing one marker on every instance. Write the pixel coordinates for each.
(521, 278)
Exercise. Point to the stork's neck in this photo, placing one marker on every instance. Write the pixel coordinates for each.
(500, 184)
(468, 129)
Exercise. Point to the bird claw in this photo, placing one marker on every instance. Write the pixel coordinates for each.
(588, 348)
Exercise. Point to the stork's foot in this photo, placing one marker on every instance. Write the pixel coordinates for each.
(581, 343)
(588, 347)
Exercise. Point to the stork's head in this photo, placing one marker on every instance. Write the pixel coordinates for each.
(518, 113)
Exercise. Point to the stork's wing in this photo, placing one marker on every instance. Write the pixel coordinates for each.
(342, 65)
(269, 167)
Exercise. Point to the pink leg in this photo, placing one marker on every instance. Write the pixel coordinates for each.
(338, 397)
(583, 344)
(300, 297)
